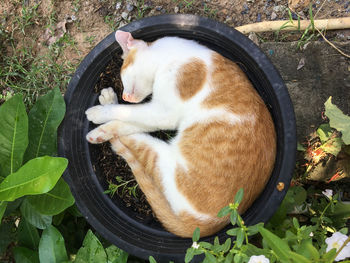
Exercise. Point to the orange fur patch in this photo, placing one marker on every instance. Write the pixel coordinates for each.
(129, 60)
(232, 88)
(191, 78)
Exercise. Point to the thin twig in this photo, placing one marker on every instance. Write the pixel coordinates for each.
(331, 44)
(319, 9)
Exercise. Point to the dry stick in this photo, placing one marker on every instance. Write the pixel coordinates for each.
(292, 25)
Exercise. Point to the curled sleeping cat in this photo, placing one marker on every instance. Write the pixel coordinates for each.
(225, 140)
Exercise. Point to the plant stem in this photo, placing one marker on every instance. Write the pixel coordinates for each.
(341, 248)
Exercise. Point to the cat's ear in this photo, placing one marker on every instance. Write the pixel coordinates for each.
(125, 40)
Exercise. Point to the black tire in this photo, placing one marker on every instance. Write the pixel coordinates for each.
(110, 220)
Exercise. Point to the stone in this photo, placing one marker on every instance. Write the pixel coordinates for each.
(125, 15)
(118, 6)
(129, 7)
(176, 9)
(273, 16)
(298, 5)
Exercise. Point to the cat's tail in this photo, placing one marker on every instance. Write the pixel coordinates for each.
(182, 224)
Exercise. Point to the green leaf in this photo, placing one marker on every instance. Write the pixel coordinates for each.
(152, 260)
(332, 146)
(3, 205)
(13, 135)
(28, 235)
(298, 258)
(53, 202)
(43, 120)
(35, 177)
(279, 246)
(92, 250)
(25, 255)
(233, 217)
(227, 245)
(196, 235)
(324, 132)
(239, 196)
(51, 246)
(210, 257)
(189, 254)
(116, 255)
(341, 210)
(34, 217)
(229, 258)
(252, 230)
(240, 237)
(300, 147)
(224, 211)
(338, 120)
(233, 231)
(330, 255)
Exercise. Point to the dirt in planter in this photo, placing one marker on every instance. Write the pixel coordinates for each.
(111, 167)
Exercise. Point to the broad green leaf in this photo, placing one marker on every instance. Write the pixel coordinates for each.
(51, 246)
(239, 196)
(341, 210)
(92, 250)
(279, 246)
(330, 255)
(53, 202)
(152, 260)
(298, 258)
(338, 120)
(43, 121)
(196, 235)
(28, 235)
(35, 177)
(25, 255)
(116, 255)
(332, 146)
(13, 135)
(324, 132)
(3, 205)
(307, 250)
(34, 217)
(229, 258)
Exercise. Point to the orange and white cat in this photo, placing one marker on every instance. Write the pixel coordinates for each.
(225, 140)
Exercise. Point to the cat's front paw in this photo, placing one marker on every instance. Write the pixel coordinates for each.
(99, 114)
(98, 135)
(108, 96)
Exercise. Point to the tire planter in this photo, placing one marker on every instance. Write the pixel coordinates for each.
(115, 222)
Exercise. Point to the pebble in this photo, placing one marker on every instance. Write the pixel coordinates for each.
(176, 9)
(253, 37)
(294, 16)
(125, 15)
(159, 7)
(246, 9)
(258, 18)
(118, 6)
(346, 5)
(273, 16)
(279, 8)
(129, 7)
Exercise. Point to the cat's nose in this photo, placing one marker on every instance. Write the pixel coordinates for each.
(125, 97)
(128, 97)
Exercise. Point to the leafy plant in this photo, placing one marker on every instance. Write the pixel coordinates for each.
(296, 243)
(126, 186)
(31, 190)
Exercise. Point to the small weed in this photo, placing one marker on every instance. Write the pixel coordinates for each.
(125, 186)
(90, 40)
(141, 9)
(209, 12)
(76, 6)
(109, 20)
(27, 17)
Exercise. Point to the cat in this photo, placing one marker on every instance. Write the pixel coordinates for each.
(225, 135)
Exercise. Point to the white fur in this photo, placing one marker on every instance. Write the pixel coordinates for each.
(156, 73)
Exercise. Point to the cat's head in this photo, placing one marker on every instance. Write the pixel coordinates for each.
(135, 75)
